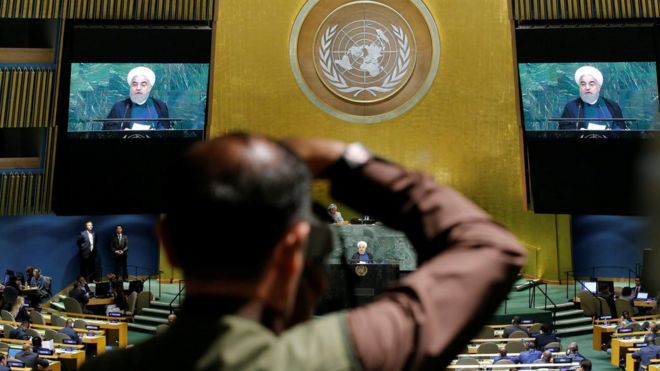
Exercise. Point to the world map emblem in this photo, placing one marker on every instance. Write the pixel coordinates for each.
(364, 61)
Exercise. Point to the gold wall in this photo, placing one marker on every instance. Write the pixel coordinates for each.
(465, 131)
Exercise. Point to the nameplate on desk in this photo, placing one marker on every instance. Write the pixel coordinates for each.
(624, 330)
(15, 364)
(114, 314)
(46, 352)
(562, 360)
(640, 345)
(69, 341)
(92, 327)
(552, 349)
(527, 321)
(605, 317)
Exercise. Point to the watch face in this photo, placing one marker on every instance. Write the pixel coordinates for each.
(356, 154)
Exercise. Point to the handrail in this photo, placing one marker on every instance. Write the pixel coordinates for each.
(178, 296)
(532, 299)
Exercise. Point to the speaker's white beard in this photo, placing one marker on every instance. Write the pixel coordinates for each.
(139, 99)
(591, 98)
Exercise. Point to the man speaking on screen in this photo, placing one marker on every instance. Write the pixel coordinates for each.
(590, 105)
(139, 107)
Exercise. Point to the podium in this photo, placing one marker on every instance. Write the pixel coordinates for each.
(351, 285)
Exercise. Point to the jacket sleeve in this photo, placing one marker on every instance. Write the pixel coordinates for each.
(125, 243)
(467, 264)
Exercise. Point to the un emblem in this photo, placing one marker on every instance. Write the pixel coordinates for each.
(363, 61)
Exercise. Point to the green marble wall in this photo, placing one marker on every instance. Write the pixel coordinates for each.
(388, 246)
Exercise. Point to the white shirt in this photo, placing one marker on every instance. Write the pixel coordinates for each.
(91, 240)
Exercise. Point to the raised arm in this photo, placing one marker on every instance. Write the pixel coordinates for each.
(467, 264)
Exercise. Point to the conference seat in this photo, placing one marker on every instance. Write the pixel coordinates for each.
(518, 334)
(32, 332)
(635, 326)
(535, 328)
(589, 304)
(37, 318)
(604, 307)
(468, 361)
(623, 305)
(554, 344)
(6, 316)
(50, 334)
(8, 329)
(515, 347)
(143, 300)
(504, 362)
(162, 328)
(72, 305)
(488, 348)
(131, 300)
(79, 323)
(57, 320)
(4, 347)
(486, 332)
(60, 337)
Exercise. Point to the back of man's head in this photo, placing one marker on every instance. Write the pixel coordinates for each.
(69, 323)
(36, 342)
(515, 320)
(233, 197)
(25, 325)
(531, 345)
(585, 365)
(545, 328)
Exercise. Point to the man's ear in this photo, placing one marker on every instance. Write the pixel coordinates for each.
(290, 247)
(166, 241)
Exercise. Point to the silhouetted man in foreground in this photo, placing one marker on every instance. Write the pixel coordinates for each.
(250, 311)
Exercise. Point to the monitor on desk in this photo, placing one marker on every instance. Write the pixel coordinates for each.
(591, 286)
(642, 295)
(102, 289)
(12, 352)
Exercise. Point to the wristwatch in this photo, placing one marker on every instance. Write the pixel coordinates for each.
(356, 155)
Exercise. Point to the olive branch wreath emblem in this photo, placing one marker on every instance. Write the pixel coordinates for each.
(391, 80)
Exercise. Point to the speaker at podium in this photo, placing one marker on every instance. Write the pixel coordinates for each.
(350, 285)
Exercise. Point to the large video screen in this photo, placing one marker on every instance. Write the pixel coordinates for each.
(589, 96)
(137, 100)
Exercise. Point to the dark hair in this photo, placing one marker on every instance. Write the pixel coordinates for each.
(119, 225)
(515, 320)
(88, 221)
(247, 190)
(25, 323)
(76, 284)
(2, 357)
(36, 342)
(585, 364)
(545, 328)
(626, 291)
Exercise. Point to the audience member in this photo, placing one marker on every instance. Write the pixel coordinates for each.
(334, 214)
(77, 293)
(546, 357)
(647, 353)
(171, 318)
(503, 355)
(515, 326)
(83, 285)
(29, 273)
(638, 287)
(20, 332)
(69, 330)
(266, 297)
(530, 355)
(545, 337)
(119, 295)
(627, 294)
(18, 310)
(625, 320)
(573, 353)
(3, 363)
(30, 358)
(40, 283)
(585, 365)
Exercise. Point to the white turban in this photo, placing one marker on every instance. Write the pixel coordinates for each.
(141, 71)
(362, 243)
(588, 70)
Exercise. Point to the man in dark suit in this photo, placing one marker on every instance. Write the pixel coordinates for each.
(515, 326)
(77, 293)
(20, 331)
(30, 358)
(68, 330)
(87, 248)
(119, 247)
(647, 353)
(545, 337)
(362, 256)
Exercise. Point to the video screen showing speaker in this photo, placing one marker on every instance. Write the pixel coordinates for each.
(588, 107)
(133, 96)
(137, 100)
(589, 96)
